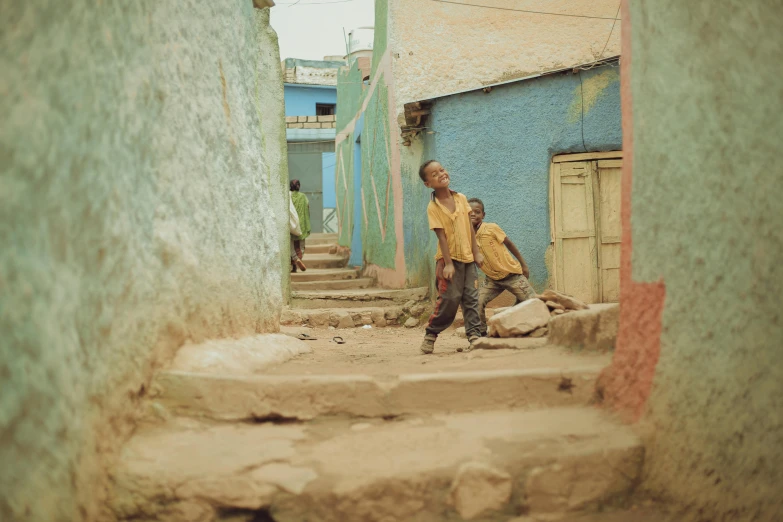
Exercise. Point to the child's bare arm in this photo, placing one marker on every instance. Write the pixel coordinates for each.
(448, 269)
(516, 253)
(478, 258)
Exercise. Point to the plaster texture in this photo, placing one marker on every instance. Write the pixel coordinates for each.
(704, 216)
(139, 173)
(446, 48)
(498, 147)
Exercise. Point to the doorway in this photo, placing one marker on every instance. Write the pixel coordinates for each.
(585, 222)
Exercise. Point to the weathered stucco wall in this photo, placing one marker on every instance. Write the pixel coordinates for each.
(498, 147)
(270, 107)
(439, 48)
(705, 219)
(137, 210)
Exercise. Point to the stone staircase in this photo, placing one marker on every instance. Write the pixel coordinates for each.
(494, 435)
(330, 293)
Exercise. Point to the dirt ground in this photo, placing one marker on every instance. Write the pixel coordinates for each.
(395, 350)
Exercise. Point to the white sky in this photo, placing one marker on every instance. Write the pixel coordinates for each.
(312, 29)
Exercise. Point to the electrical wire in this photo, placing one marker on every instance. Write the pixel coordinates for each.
(601, 56)
(524, 10)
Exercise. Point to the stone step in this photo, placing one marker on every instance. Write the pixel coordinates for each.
(342, 317)
(325, 274)
(594, 329)
(325, 248)
(304, 397)
(346, 284)
(324, 261)
(488, 466)
(321, 239)
(352, 298)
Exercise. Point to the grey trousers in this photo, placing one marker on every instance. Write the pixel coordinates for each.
(517, 284)
(461, 290)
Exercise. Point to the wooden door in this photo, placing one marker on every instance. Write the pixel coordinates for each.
(576, 262)
(610, 228)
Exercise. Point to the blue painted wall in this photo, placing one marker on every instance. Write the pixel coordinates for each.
(300, 100)
(498, 146)
(327, 170)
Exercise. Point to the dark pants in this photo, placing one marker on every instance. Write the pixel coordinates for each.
(461, 290)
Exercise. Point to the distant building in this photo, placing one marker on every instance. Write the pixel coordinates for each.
(383, 136)
(310, 107)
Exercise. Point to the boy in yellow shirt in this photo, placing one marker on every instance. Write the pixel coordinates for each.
(503, 271)
(458, 254)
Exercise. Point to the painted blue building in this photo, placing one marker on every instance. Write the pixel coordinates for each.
(515, 146)
(310, 91)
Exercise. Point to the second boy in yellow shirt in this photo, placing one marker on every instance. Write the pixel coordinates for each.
(503, 271)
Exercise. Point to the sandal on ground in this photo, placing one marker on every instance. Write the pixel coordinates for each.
(338, 340)
(305, 337)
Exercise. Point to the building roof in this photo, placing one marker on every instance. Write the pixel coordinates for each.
(415, 110)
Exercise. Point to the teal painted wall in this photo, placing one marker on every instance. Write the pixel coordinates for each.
(498, 147)
(138, 212)
(706, 219)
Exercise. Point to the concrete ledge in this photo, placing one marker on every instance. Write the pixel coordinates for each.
(594, 329)
(306, 397)
(510, 343)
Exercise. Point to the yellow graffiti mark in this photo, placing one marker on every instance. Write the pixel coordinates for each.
(591, 90)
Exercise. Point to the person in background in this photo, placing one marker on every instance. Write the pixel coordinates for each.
(503, 271)
(295, 231)
(302, 207)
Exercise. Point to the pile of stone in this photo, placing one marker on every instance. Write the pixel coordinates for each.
(530, 318)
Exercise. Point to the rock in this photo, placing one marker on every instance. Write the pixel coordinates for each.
(539, 332)
(319, 318)
(289, 317)
(244, 356)
(554, 306)
(460, 332)
(392, 313)
(593, 329)
(412, 322)
(566, 301)
(417, 310)
(378, 318)
(366, 319)
(407, 306)
(519, 320)
(341, 319)
(478, 489)
(558, 312)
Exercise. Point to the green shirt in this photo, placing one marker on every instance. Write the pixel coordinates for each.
(302, 207)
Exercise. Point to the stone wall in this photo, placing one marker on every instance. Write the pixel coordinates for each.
(698, 354)
(137, 202)
(310, 122)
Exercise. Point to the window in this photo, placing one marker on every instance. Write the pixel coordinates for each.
(325, 109)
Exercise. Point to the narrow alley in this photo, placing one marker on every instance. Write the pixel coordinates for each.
(358, 427)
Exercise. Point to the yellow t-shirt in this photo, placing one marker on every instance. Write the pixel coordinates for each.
(498, 261)
(457, 227)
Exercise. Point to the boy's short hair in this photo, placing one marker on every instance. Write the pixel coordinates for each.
(422, 174)
(477, 200)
